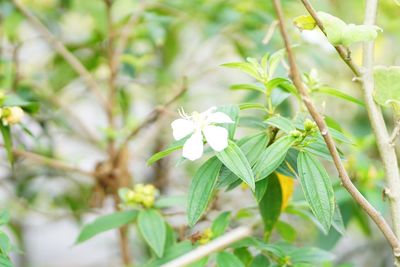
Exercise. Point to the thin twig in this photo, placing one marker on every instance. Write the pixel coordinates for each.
(56, 164)
(63, 51)
(345, 179)
(342, 51)
(214, 246)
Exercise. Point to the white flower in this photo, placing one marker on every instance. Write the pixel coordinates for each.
(12, 115)
(199, 125)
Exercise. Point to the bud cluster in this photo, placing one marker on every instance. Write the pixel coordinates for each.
(11, 115)
(141, 194)
(206, 236)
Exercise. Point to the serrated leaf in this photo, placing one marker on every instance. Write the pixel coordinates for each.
(235, 160)
(225, 259)
(106, 223)
(387, 85)
(201, 189)
(317, 188)
(272, 157)
(152, 227)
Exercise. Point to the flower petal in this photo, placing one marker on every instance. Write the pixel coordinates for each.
(219, 117)
(216, 136)
(181, 128)
(193, 147)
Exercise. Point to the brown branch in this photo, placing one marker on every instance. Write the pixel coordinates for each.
(153, 116)
(341, 50)
(53, 163)
(344, 177)
(63, 51)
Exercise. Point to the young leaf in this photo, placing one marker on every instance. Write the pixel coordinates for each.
(201, 189)
(250, 87)
(257, 106)
(235, 160)
(152, 227)
(220, 224)
(305, 22)
(271, 205)
(245, 67)
(317, 188)
(225, 259)
(105, 223)
(272, 157)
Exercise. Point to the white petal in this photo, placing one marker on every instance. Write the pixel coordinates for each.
(193, 147)
(181, 128)
(209, 111)
(219, 117)
(217, 137)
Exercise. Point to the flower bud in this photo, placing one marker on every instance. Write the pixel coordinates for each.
(206, 236)
(295, 133)
(12, 115)
(309, 125)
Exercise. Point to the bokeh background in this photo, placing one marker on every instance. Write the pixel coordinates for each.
(170, 40)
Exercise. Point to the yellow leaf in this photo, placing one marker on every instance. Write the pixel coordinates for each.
(287, 185)
(305, 22)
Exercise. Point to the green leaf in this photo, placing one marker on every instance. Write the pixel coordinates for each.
(317, 188)
(249, 87)
(152, 227)
(272, 157)
(7, 139)
(201, 189)
(387, 85)
(15, 100)
(246, 67)
(260, 260)
(310, 255)
(225, 259)
(5, 262)
(334, 92)
(337, 221)
(235, 160)
(287, 232)
(233, 112)
(170, 201)
(171, 253)
(261, 187)
(105, 223)
(274, 60)
(220, 224)
(257, 106)
(253, 145)
(271, 205)
(4, 217)
(162, 154)
(5, 245)
(244, 255)
(281, 123)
